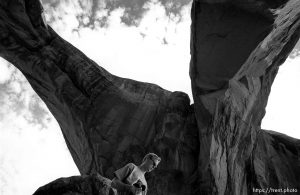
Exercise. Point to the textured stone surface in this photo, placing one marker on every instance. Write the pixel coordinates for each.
(213, 147)
(275, 161)
(80, 185)
(236, 51)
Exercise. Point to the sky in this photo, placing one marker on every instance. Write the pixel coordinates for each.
(145, 40)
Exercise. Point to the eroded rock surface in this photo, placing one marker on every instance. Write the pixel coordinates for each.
(275, 161)
(237, 47)
(80, 185)
(213, 147)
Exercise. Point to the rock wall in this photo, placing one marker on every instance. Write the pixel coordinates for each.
(275, 162)
(237, 48)
(213, 147)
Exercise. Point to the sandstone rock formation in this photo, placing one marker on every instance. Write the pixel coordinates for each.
(213, 147)
(237, 47)
(89, 184)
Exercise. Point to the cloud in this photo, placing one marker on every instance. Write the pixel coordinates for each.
(146, 52)
(16, 95)
(30, 158)
(94, 13)
(174, 7)
(6, 71)
(39, 114)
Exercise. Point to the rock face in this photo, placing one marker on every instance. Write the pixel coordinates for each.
(213, 147)
(237, 47)
(275, 161)
(80, 185)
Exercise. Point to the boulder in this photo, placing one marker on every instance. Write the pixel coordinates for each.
(77, 185)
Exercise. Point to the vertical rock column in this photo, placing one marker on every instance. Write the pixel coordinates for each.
(236, 48)
(106, 121)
